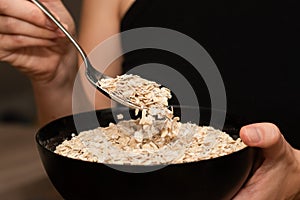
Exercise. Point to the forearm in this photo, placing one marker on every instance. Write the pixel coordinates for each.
(52, 102)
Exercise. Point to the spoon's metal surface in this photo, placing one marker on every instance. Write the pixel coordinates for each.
(91, 73)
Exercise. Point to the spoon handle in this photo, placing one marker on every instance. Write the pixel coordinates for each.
(60, 26)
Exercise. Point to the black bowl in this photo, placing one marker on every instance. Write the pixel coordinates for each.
(218, 178)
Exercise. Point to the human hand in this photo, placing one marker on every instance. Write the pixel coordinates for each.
(278, 176)
(33, 44)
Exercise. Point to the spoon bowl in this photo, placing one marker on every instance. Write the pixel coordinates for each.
(91, 73)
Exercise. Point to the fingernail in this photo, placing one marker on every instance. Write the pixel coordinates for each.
(253, 134)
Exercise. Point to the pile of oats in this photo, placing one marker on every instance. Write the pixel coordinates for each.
(163, 142)
(146, 94)
(156, 138)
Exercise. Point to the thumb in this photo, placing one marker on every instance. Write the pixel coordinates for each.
(266, 136)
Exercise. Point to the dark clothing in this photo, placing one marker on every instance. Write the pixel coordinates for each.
(253, 43)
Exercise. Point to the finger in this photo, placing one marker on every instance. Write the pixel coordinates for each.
(10, 25)
(26, 11)
(266, 136)
(13, 42)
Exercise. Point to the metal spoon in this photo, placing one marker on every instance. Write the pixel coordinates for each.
(91, 73)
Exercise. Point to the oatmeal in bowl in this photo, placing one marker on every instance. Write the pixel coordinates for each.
(149, 142)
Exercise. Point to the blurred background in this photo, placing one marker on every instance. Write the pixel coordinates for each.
(22, 176)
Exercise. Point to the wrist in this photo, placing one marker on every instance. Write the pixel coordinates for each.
(53, 96)
(52, 102)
